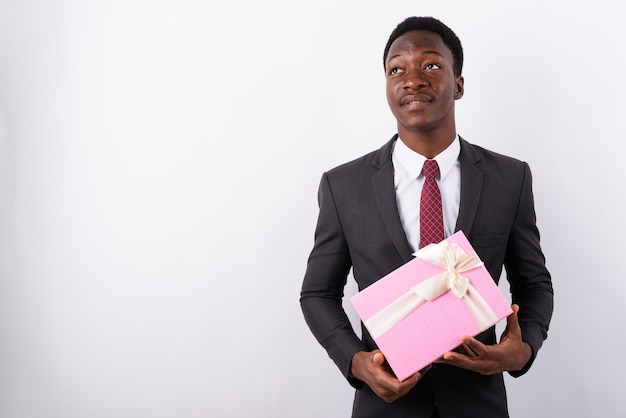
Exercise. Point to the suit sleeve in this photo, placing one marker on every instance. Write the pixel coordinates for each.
(323, 286)
(531, 285)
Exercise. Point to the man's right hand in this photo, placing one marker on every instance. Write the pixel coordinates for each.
(371, 368)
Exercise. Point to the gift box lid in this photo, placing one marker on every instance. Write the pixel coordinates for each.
(421, 310)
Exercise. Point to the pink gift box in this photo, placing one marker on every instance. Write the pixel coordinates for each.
(425, 332)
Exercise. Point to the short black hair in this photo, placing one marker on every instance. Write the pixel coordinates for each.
(432, 25)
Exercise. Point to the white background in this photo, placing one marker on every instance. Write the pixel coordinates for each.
(159, 164)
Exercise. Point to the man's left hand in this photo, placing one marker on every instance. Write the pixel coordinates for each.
(510, 354)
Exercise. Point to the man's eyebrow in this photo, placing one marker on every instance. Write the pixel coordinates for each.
(423, 53)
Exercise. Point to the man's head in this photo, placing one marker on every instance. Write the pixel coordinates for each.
(430, 24)
(422, 83)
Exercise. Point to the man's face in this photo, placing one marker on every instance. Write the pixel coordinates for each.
(421, 85)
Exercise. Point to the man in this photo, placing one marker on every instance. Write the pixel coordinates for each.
(369, 221)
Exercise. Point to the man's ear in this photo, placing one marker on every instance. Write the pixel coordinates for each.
(460, 88)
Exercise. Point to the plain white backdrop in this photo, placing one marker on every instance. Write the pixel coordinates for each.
(159, 164)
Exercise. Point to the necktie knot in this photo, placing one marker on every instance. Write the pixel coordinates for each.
(430, 169)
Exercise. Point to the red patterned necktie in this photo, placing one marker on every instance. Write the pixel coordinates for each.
(431, 218)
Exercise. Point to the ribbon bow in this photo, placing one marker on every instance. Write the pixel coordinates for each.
(454, 261)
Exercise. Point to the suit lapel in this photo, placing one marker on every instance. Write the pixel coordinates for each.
(385, 194)
(384, 191)
(471, 185)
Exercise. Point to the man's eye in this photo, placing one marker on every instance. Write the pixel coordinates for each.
(433, 66)
(394, 70)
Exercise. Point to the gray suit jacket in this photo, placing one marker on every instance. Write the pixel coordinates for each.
(359, 227)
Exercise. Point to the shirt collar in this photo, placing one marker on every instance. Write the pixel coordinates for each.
(413, 162)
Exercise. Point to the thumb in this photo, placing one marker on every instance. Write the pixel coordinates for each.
(511, 320)
(378, 358)
(512, 324)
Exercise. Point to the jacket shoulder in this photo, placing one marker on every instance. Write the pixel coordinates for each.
(491, 161)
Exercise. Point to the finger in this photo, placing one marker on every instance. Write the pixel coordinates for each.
(476, 347)
(456, 359)
(418, 375)
(465, 349)
(412, 380)
(476, 363)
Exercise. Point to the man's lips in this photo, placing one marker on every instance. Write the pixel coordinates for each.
(416, 99)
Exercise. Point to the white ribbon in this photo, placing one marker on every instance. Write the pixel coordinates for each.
(454, 261)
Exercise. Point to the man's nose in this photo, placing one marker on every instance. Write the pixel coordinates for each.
(415, 80)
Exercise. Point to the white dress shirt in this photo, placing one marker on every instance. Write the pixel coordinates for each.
(408, 181)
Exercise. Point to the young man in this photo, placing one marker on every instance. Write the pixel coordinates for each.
(369, 221)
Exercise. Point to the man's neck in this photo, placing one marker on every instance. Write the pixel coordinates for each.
(429, 144)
